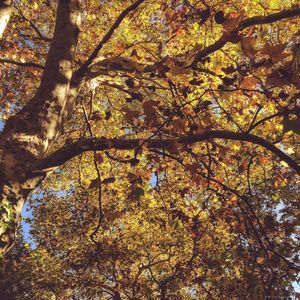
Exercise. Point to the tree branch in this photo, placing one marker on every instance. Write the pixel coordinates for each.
(257, 20)
(21, 64)
(35, 28)
(126, 64)
(31, 132)
(45, 110)
(80, 72)
(260, 20)
(64, 154)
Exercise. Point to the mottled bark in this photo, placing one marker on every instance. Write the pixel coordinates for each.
(29, 135)
(5, 11)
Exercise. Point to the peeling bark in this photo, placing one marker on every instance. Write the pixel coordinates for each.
(29, 135)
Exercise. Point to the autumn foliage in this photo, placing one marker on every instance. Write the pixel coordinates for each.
(177, 174)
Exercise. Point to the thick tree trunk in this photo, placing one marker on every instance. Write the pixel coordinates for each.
(29, 135)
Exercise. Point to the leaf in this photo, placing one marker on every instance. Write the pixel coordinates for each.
(98, 158)
(193, 168)
(179, 124)
(96, 116)
(169, 62)
(231, 24)
(275, 53)
(275, 260)
(108, 180)
(172, 147)
(247, 47)
(95, 184)
(260, 260)
(248, 82)
(219, 17)
(137, 193)
(228, 70)
(228, 80)
(149, 107)
(293, 125)
(196, 82)
(130, 115)
(107, 115)
(269, 222)
(278, 78)
(204, 15)
(130, 82)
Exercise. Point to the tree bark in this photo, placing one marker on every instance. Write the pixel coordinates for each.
(29, 135)
(5, 11)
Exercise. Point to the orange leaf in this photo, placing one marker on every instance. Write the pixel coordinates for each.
(260, 260)
(248, 82)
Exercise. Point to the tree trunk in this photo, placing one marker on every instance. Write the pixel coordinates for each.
(29, 135)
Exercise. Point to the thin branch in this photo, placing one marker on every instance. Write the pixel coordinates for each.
(38, 32)
(107, 36)
(64, 154)
(96, 229)
(21, 64)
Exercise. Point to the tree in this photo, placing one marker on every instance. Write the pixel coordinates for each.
(169, 147)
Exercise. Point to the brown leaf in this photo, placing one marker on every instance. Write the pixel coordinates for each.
(231, 24)
(108, 180)
(130, 82)
(277, 78)
(130, 115)
(169, 62)
(96, 116)
(179, 124)
(270, 223)
(172, 147)
(247, 46)
(248, 82)
(149, 107)
(192, 168)
(98, 158)
(275, 260)
(275, 53)
(260, 260)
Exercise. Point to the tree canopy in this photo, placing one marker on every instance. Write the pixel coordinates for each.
(156, 144)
